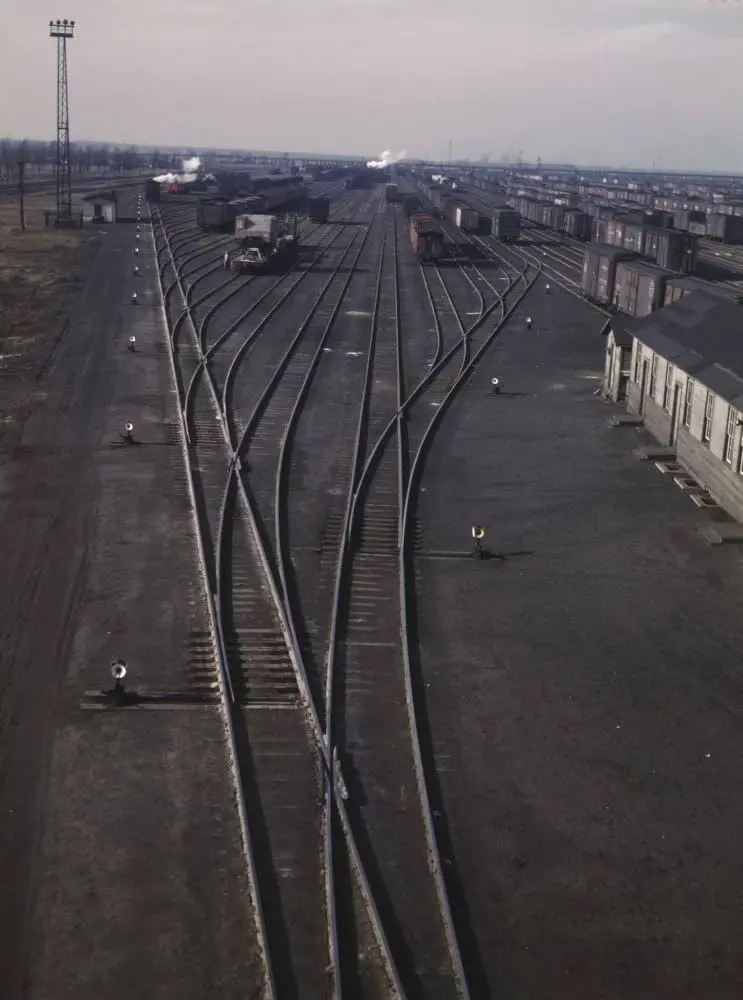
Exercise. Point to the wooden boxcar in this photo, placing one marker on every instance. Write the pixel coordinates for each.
(426, 236)
(318, 209)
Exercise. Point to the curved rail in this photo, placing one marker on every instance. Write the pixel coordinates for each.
(236, 471)
(225, 688)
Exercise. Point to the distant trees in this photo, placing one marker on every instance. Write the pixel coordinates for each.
(85, 158)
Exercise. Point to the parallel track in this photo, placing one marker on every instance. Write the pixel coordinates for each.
(318, 668)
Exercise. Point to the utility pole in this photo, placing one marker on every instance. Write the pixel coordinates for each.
(450, 154)
(62, 30)
(21, 191)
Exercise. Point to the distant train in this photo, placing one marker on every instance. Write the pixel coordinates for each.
(501, 222)
(268, 194)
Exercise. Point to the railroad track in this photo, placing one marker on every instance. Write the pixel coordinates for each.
(314, 650)
(88, 183)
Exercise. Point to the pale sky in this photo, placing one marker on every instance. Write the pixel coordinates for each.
(629, 82)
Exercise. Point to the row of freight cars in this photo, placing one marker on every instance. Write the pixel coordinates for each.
(672, 249)
(546, 213)
(590, 223)
(503, 223)
(644, 234)
(728, 228)
(619, 279)
(268, 194)
(220, 213)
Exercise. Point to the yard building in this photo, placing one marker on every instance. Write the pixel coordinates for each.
(685, 378)
(618, 363)
(99, 208)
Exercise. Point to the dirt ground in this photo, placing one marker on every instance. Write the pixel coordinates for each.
(42, 271)
(98, 898)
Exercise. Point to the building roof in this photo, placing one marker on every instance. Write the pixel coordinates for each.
(622, 337)
(100, 197)
(702, 335)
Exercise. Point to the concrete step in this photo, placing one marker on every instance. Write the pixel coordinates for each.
(723, 532)
(652, 453)
(626, 420)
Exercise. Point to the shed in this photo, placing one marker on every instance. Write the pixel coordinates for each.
(99, 208)
(686, 381)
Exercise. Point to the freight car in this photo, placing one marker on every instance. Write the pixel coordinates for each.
(599, 271)
(466, 219)
(672, 249)
(639, 287)
(426, 237)
(728, 228)
(506, 225)
(677, 288)
(577, 224)
(390, 192)
(278, 191)
(152, 190)
(219, 213)
(318, 209)
(412, 203)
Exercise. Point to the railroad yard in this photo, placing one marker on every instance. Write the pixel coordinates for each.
(358, 751)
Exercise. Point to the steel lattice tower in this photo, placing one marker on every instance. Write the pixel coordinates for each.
(62, 30)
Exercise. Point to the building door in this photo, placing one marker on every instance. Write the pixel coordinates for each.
(643, 386)
(674, 415)
(609, 370)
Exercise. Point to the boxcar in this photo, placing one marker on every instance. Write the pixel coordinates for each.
(639, 287)
(599, 271)
(506, 225)
(426, 237)
(319, 209)
(577, 224)
(728, 228)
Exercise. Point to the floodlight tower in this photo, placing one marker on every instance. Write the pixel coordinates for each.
(62, 30)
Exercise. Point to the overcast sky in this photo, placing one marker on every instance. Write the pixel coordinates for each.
(628, 82)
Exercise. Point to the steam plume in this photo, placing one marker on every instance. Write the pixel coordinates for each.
(188, 176)
(386, 159)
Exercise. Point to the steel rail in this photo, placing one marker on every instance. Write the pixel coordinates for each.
(237, 472)
(225, 685)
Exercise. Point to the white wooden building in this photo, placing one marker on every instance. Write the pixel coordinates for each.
(686, 380)
(99, 208)
(617, 366)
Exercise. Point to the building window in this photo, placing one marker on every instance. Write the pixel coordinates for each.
(652, 382)
(709, 416)
(688, 402)
(638, 362)
(667, 394)
(728, 447)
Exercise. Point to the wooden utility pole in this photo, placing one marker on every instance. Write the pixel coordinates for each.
(21, 190)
